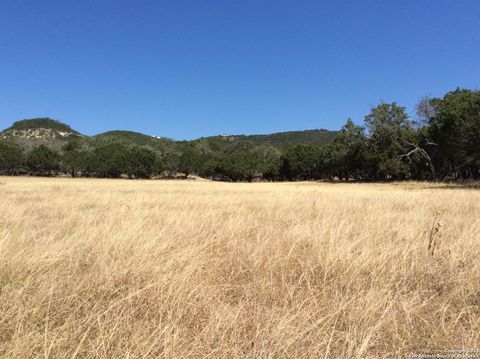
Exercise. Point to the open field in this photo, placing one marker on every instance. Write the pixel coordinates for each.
(116, 268)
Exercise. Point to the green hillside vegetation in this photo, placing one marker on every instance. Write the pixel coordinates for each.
(41, 123)
(281, 139)
(129, 137)
(161, 145)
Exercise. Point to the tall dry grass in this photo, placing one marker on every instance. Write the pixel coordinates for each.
(115, 268)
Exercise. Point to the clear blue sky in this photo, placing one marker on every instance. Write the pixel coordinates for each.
(186, 69)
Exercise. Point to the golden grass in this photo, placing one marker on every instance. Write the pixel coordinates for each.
(175, 269)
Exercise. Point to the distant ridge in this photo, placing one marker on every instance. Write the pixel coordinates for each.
(124, 136)
(54, 133)
(318, 137)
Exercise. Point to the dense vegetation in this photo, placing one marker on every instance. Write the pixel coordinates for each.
(312, 137)
(443, 143)
(38, 123)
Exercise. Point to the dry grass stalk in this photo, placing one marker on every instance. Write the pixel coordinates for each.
(434, 237)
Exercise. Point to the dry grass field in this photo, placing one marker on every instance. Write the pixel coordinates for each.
(192, 269)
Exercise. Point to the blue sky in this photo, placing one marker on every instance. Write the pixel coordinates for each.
(186, 69)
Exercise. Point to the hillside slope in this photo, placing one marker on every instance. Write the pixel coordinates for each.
(279, 139)
(130, 137)
(54, 133)
(41, 123)
(33, 132)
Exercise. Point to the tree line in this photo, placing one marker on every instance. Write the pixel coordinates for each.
(443, 142)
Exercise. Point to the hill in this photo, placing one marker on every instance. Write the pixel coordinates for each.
(33, 132)
(41, 123)
(130, 137)
(280, 139)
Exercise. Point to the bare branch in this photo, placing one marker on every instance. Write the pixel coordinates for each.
(407, 155)
(423, 153)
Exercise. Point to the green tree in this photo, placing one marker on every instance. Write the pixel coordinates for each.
(301, 162)
(110, 160)
(349, 152)
(190, 160)
(73, 158)
(171, 161)
(270, 161)
(209, 164)
(158, 166)
(389, 129)
(454, 125)
(241, 165)
(11, 158)
(43, 161)
(142, 162)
